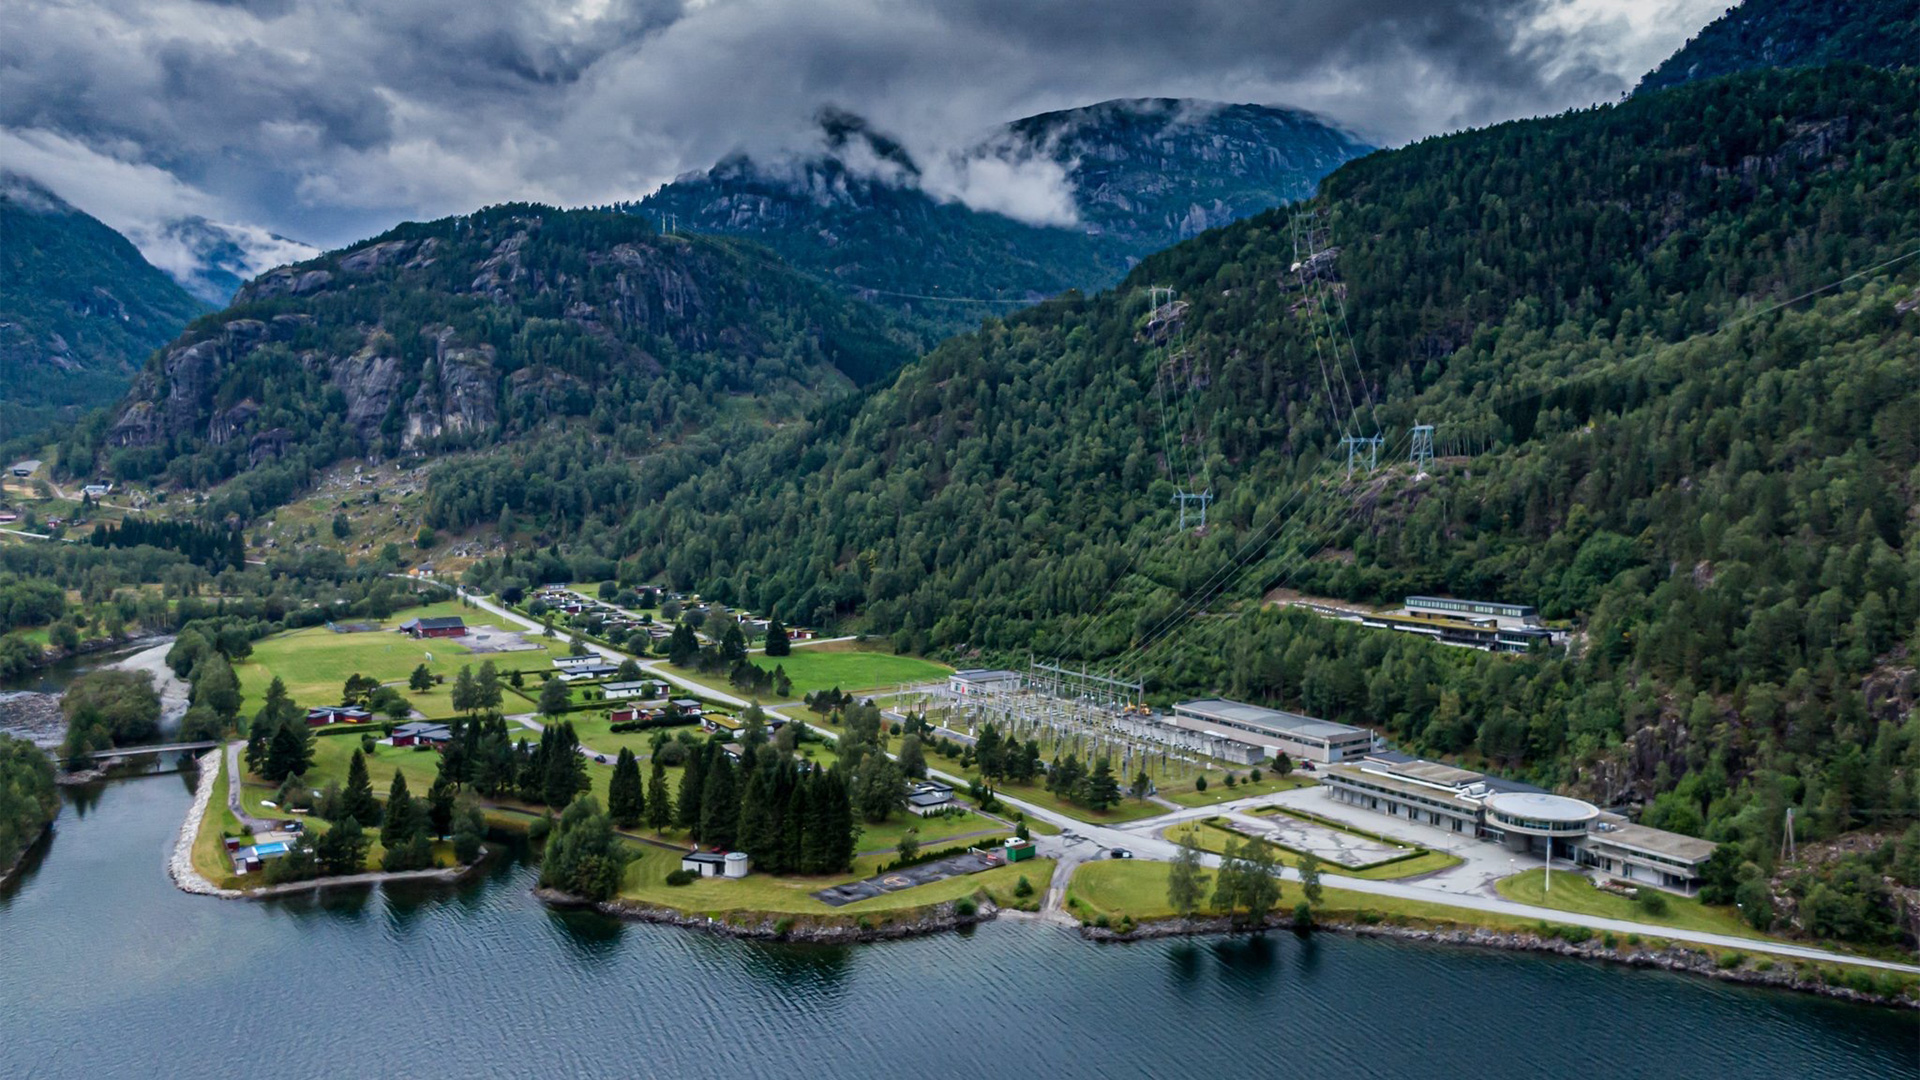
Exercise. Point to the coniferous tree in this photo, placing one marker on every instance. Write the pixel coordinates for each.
(440, 799)
(289, 752)
(486, 686)
(778, 644)
(463, 696)
(278, 707)
(659, 799)
(356, 799)
(566, 767)
(626, 798)
(398, 823)
(421, 680)
(683, 646)
(531, 771)
(1103, 791)
(720, 804)
(692, 796)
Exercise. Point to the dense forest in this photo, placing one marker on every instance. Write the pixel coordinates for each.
(80, 309)
(455, 333)
(28, 799)
(1796, 33)
(1636, 430)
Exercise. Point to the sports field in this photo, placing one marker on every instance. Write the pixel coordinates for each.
(315, 662)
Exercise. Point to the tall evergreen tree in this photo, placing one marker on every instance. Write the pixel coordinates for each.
(626, 797)
(720, 804)
(289, 752)
(692, 783)
(566, 767)
(357, 801)
(778, 644)
(659, 799)
(399, 822)
(440, 798)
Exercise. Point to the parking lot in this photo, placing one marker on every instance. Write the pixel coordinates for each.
(971, 862)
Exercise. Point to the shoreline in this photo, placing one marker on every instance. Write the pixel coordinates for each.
(174, 691)
(189, 880)
(1672, 957)
(774, 926)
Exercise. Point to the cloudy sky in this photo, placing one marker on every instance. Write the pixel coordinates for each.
(329, 120)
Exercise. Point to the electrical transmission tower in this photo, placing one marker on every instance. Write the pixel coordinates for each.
(1354, 442)
(1192, 498)
(1422, 452)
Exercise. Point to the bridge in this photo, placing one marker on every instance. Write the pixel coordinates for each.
(164, 748)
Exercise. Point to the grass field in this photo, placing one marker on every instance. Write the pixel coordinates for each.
(1210, 837)
(849, 665)
(1132, 889)
(315, 662)
(1572, 892)
(1243, 788)
(645, 881)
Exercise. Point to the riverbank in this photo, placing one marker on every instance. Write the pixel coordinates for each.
(174, 691)
(180, 866)
(889, 925)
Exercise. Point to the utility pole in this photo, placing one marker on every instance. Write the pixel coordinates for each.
(1786, 839)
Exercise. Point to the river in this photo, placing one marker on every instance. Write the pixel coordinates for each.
(107, 971)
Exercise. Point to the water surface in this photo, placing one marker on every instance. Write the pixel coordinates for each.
(107, 971)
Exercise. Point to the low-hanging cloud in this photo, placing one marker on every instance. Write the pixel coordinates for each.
(331, 119)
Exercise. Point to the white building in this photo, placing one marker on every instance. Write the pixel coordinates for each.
(983, 681)
(1271, 731)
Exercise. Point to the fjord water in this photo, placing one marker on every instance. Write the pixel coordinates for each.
(106, 970)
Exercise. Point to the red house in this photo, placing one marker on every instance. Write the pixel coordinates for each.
(446, 626)
(337, 714)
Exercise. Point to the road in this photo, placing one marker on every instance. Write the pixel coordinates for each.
(1080, 841)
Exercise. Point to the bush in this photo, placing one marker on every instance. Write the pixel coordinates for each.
(1651, 900)
(1573, 935)
(1302, 916)
(1023, 888)
(1200, 784)
(681, 877)
(965, 908)
(1367, 917)
(538, 830)
(1730, 960)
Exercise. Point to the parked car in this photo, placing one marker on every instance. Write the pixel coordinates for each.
(1119, 853)
(601, 758)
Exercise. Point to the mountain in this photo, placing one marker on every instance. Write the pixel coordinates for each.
(1667, 346)
(212, 259)
(470, 330)
(1065, 200)
(80, 309)
(1796, 33)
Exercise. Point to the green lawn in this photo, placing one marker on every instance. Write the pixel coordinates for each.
(595, 730)
(1129, 809)
(1572, 892)
(1218, 792)
(850, 665)
(1136, 889)
(934, 831)
(315, 662)
(645, 881)
(1208, 836)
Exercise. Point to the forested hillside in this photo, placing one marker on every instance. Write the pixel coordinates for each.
(1796, 33)
(1136, 176)
(80, 309)
(457, 333)
(1643, 430)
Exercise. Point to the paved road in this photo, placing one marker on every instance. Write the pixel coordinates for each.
(1080, 841)
(258, 825)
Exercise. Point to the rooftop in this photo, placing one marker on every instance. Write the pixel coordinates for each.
(1277, 721)
(985, 674)
(1614, 829)
(1540, 806)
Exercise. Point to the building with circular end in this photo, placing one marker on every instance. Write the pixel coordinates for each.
(1527, 820)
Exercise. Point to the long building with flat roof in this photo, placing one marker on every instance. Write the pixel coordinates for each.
(1521, 816)
(1272, 730)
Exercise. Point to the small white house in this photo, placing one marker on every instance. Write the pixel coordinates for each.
(639, 688)
(983, 681)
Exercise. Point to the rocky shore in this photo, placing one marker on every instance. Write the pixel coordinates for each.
(180, 863)
(1756, 969)
(34, 716)
(771, 926)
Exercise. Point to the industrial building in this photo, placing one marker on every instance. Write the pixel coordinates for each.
(1525, 818)
(1271, 732)
(1447, 605)
(1486, 632)
(983, 681)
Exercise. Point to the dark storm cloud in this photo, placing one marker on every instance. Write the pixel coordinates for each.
(328, 119)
